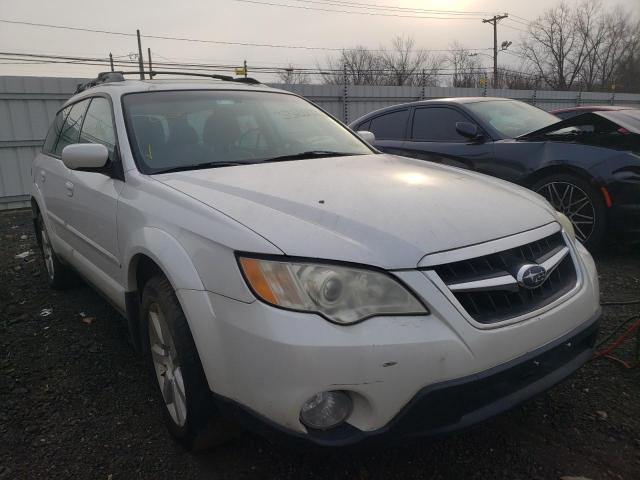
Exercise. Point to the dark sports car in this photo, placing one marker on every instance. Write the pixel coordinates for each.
(587, 166)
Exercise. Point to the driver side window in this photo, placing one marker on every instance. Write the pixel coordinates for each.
(437, 124)
(98, 125)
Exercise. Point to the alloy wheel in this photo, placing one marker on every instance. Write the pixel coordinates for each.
(166, 365)
(574, 203)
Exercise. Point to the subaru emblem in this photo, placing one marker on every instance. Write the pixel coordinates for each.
(531, 275)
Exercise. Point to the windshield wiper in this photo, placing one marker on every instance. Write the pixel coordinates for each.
(306, 155)
(200, 166)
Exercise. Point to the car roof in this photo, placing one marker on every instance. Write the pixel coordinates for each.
(119, 88)
(433, 101)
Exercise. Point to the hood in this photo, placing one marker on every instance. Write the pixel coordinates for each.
(379, 209)
(603, 120)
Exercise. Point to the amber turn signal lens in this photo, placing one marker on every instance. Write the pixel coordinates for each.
(257, 280)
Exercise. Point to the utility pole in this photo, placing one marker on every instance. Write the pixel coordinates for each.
(494, 21)
(150, 64)
(140, 57)
(111, 60)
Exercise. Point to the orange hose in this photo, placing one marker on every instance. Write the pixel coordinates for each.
(606, 352)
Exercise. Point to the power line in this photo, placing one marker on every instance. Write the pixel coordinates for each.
(349, 4)
(514, 28)
(521, 18)
(526, 24)
(196, 40)
(33, 58)
(284, 5)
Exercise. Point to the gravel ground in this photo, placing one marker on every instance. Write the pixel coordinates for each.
(76, 403)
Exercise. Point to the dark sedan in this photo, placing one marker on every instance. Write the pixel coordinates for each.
(587, 166)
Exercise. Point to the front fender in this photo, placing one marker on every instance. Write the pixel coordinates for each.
(167, 253)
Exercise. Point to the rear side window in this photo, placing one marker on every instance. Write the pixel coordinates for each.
(70, 132)
(437, 124)
(390, 126)
(98, 125)
(54, 132)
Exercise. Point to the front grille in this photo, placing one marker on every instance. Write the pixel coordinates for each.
(500, 302)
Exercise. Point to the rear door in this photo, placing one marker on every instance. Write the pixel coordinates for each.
(433, 137)
(51, 176)
(390, 129)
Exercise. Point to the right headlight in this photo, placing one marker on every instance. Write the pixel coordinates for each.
(566, 224)
(342, 294)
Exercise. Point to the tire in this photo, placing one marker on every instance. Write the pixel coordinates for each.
(59, 275)
(581, 203)
(174, 364)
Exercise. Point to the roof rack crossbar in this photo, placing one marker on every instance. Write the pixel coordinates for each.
(110, 77)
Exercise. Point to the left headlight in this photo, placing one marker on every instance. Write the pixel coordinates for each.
(341, 294)
(566, 224)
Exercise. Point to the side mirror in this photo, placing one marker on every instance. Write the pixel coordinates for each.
(368, 137)
(85, 156)
(469, 130)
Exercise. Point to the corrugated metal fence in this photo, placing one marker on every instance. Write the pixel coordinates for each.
(28, 104)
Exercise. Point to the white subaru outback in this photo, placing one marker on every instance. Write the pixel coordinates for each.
(278, 271)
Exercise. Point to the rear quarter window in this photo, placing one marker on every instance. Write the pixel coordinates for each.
(390, 126)
(54, 131)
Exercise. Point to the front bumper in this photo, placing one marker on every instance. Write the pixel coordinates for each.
(268, 361)
(451, 405)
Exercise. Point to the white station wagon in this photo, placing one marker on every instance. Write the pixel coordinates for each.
(278, 271)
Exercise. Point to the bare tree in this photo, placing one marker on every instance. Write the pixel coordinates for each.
(583, 45)
(362, 67)
(466, 68)
(292, 76)
(402, 64)
(592, 31)
(555, 46)
(622, 37)
(406, 65)
(627, 72)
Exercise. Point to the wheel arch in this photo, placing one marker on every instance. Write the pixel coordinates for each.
(559, 169)
(598, 192)
(152, 252)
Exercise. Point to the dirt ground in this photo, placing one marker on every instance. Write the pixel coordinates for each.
(76, 403)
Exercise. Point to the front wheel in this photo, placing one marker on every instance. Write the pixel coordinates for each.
(175, 366)
(580, 202)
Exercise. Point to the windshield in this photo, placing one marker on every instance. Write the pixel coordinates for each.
(512, 118)
(185, 129)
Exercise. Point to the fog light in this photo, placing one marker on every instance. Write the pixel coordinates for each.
(326, 410)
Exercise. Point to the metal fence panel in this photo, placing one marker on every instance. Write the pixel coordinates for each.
(28, 104)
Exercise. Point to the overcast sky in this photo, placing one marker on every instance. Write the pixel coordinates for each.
(236, 21)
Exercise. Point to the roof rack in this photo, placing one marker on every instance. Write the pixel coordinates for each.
(110, 77)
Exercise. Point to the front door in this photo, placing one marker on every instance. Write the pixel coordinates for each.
(433, 137)
(92, 219)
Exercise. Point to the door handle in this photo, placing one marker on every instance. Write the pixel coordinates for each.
(43, 176)
(69, 187)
